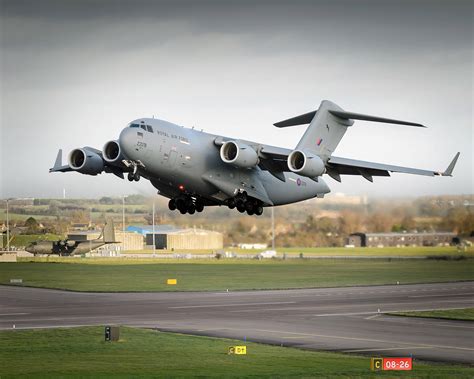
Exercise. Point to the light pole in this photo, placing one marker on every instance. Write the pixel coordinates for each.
(123, 215)
(154, 243)
(8, 229)
(273, 230)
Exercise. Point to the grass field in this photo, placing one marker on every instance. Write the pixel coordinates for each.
(194, 275)
(338, 251)
(82, 352)
(466, 314)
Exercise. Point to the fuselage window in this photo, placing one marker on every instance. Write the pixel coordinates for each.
(149, 128)
(134, 125)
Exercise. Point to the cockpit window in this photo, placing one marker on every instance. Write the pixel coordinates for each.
(149, 128)
(134, 125)
(143, 127)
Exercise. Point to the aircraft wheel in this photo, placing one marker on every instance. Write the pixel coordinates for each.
(181, 205)
(130, 177)
(241, 209)
(191, 210)
(250, 212)
(136, 177)
(199, 207)
(172, 205)
(249, 206)
(231, 203)
(259, 210)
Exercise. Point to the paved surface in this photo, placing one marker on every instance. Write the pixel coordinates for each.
(336, 319)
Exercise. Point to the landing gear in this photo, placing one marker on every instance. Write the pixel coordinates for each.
(133, 175)
(244, 203)
(172, 204)
(186, 205)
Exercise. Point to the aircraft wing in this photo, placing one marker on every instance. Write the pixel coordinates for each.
(274, 160)
(59, 167)
(337, 166)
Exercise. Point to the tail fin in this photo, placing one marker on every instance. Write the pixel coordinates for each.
(327, 126)
(109, 232)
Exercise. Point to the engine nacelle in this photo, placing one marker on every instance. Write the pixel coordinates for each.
(112, 152)
(239, 154)
(86, 161)
(306, 164)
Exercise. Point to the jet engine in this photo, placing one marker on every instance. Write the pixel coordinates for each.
(112, 152)
(86, 161)
(238, 154)
(306, 164)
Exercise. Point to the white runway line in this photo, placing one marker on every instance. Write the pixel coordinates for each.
(14, 314)
(387, 349)
(458, 294)
(231, 305)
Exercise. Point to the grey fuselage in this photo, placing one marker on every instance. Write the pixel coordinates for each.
(177, 159)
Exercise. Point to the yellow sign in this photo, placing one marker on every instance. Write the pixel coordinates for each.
(239, 350)
(376, 364)
(172, 281)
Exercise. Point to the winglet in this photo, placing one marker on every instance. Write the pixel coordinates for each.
(59, 159)
(449, 170)
(58, 164)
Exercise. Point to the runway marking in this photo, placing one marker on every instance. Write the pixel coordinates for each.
(372, 317)
(367, 340)
(383, 312)
(386, 349)
(445, 295)
(230, 305)
(13, 314)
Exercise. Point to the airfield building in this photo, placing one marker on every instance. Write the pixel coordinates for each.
(401, 239)
(185, 239)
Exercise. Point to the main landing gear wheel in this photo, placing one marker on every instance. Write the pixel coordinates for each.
(172, 205)
(245, 203)
(186, 205)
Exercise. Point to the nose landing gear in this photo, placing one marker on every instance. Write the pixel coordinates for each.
(133, 175)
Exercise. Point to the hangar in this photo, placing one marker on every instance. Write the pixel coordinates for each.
(191, 239)
(400, 239)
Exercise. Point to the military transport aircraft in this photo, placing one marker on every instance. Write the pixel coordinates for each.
(196, 169)
(71, 247)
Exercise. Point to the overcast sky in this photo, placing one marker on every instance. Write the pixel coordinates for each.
(75, 73)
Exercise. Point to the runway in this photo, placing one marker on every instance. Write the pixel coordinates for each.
(346, 319)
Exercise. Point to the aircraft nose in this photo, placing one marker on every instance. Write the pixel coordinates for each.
(30, 249)
(127, 141)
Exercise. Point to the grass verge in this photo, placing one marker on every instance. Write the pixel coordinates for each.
(82, 352)
(210, 275)
(466, 314)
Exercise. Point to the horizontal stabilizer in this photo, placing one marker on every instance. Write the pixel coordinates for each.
(298, 120)
(308, 117)
(364, 117)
